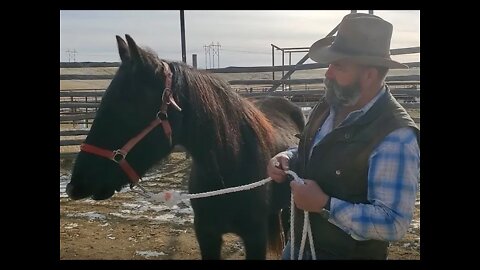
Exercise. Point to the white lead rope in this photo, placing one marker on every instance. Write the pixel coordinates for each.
(307, 229)
(171, 198)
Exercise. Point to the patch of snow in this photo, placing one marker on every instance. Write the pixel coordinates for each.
(188, 210)
(147, 254)
(128, 217)
(71, 225)
(89, 215)
(415, 224)
(137, 208)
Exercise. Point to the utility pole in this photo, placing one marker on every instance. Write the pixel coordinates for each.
(194, 60)
(182, 30)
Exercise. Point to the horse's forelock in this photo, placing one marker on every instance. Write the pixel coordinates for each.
(152, 62)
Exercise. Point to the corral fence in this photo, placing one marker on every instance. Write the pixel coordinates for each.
(78, 106)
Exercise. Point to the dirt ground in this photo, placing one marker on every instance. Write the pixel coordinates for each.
(129, 227)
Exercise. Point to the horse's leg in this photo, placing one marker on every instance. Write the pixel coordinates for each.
(253, 231)
(255, 242)
(210, 241)
(206, 223)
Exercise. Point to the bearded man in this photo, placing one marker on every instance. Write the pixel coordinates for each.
(359, 153)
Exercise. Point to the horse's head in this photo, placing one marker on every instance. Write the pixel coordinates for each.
(134, 126)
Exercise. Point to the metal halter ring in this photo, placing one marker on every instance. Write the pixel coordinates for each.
(118, 156)
(162, 115)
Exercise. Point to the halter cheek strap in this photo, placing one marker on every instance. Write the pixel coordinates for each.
(119, 155)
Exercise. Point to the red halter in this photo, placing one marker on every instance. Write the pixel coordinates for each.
(119, 155)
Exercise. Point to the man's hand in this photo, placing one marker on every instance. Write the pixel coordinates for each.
(309, 196)
(277, 166)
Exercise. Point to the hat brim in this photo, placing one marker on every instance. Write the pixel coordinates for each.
(322, 52)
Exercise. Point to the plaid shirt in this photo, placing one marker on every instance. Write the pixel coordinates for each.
(393, 177)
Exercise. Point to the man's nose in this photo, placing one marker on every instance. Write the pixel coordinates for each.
(329, 74)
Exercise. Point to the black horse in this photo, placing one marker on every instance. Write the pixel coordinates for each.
(150, 106)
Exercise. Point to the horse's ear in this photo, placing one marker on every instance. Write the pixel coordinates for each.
(134, 53)
(123, 49)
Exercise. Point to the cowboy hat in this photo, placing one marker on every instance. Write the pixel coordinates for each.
(363, 38)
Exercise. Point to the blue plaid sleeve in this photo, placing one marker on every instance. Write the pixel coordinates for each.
(292, 153)
(393, 178)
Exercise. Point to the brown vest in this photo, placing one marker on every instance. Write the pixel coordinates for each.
(339, 164)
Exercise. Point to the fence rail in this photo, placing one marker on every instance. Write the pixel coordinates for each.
(303, 98)
(244, 82)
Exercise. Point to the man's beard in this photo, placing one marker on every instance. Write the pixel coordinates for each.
(342, 95)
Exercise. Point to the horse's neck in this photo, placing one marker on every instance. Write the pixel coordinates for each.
(209, 159)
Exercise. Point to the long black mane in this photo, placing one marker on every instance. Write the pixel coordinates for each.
(220, 118)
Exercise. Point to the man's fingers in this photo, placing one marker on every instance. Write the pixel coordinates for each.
(274, 171)
(293, 185)
(276, 163)
(278, 172)
(280, 162)
(284, 163)
(277, 166)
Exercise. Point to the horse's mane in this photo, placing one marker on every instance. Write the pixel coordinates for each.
(219, 112)
(223, 112)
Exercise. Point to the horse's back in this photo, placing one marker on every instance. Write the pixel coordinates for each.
(281, 111)
(286, 117)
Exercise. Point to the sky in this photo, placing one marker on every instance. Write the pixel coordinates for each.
(244, 36)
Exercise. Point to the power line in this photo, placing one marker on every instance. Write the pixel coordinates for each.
(242, 51)
(71, 55)
(210, 52)
(207, 55)
(74, 54)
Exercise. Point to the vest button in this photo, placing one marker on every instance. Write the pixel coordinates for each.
(338, 172)
(347, 136)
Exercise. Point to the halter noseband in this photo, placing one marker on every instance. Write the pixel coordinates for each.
(119, 155)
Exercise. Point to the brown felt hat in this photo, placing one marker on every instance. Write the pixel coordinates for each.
(363, 38)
